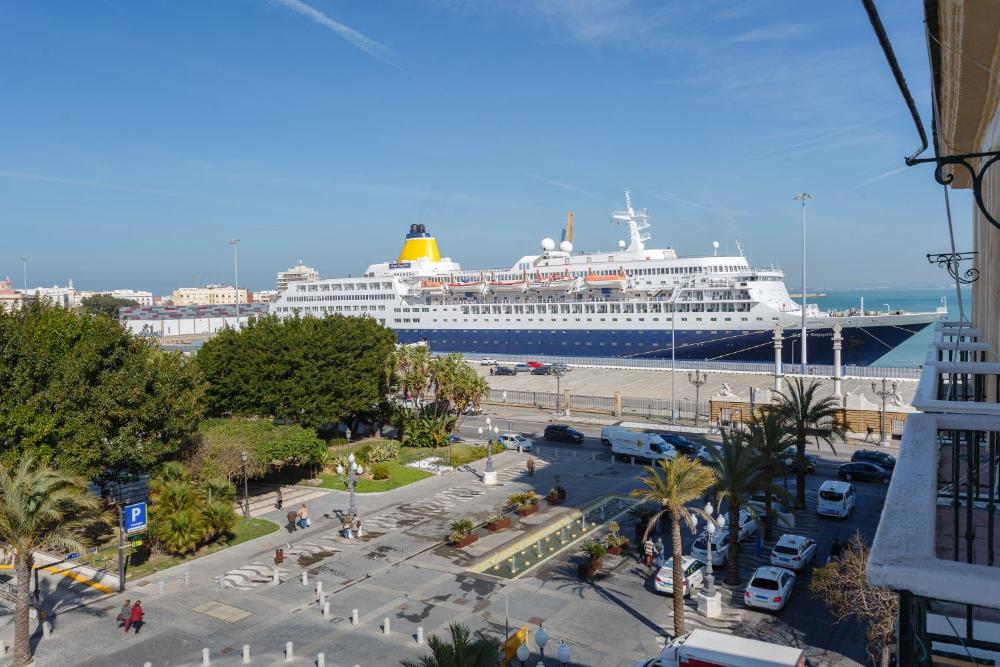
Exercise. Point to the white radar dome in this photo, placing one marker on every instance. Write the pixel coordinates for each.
(566, 246)
(715, 244)
(621, 244)
(548, 244)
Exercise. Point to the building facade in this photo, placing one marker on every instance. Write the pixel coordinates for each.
(10, 298)
(210, 295)
(166, 321)
(298, 273)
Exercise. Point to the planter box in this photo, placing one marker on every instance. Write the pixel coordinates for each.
(528, 511)
(589, 568)
(617, 551)
(499, 525)
(465, 541)
(554, 500)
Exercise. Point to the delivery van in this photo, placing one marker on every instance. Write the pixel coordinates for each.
(713, 649)
(626, 443)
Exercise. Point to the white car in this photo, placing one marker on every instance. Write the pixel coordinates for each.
(487, 361)
(694, 575)
(720, 547)
(748, 524)
(515, 441)
(769, 588)
(793, 551)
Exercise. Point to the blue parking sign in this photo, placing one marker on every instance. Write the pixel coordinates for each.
(135, 518)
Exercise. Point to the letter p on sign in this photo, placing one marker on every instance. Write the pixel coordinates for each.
(135, 518)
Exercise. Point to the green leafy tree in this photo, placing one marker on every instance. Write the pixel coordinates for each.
(460, 650)
(309, 371)
(808, 416)
(105, 304)
(40, 507)
(669, 488)
(769, 438)
(218, 448)
(81, 392)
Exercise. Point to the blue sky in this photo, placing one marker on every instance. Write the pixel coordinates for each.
(138, 137)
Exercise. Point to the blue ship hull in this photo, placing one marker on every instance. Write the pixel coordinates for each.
(861, 347)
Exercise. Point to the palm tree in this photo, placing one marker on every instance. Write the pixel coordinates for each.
(461, 651)
(804, 415)
(769, 439)
(40, 507)
(737, 477)
(681, 481)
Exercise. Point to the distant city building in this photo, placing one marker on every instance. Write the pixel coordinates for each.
(265, 296)
(186, 320)
(10, 298)
(65, 297)
(141, 297)
(209, 295)
(298, 273)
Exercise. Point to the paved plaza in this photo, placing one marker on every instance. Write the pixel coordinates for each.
(402, 571)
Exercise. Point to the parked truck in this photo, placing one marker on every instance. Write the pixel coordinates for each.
(703, 648)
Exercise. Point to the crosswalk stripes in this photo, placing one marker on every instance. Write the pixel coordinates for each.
(250, 576)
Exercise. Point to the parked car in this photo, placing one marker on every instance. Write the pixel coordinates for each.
(541, 370)
(682, 444)
(811, 460)
(705, 453)
(881, 459)
(836, 498)
(793, 551)
(748, 523)
(487, 361)
(694, 575)
(864, 472)
(522, 368)
(777, 503)
(720, 547)
(562, 433)
(515, 441)
(504, 370)
(769, 588)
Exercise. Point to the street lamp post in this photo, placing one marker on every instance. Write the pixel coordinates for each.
(541, 638)
(559, 370)
(490, 475)
(236, 277)
(24, 270)
(353, 468)
(698, 378)
(883, 437)
(246, 495)
(803, 197)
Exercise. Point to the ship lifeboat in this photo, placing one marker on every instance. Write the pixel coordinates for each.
(508, 286)
(554, 281)
(610, 281)
(433, 287)
(473, 286)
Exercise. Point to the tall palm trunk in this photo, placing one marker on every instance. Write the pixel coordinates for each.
(800, 474)
(768, 516)
(733, 559)
(678, 573)
(22, 645)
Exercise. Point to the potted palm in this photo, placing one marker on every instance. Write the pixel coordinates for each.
(557, 493)
(462, 533)
(525, 504)
(615, 541)
(595, 551)
(498, 522)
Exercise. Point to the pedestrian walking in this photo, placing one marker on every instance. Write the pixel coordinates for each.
(648, 550)
(124, 614)
(293, 518)
(658, 552)
(345, 528)
(135, 617)
(531, 466)
(304, 521)
(279, 499)
(356, 526)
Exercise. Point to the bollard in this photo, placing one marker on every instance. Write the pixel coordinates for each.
(305, 578)
(46, 629)
(222, 581)
(205, 659)
(322, 599)
(276, 580)
(420, 635)
(385, 625)
(163, 586)
(187, 578)
(326, 611)
(321, 660)
(354, 617)
(289, 652)
(319, 591)
(246, 654)
(147, 664)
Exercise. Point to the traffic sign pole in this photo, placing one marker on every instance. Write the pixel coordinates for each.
(121, 549)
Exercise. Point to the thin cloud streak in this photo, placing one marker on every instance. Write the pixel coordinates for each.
(876, 179)
(91, 184)
(349, 34)
(562, 185)
(714, 209)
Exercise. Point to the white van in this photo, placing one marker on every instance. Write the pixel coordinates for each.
(836, 498)
(627, 443)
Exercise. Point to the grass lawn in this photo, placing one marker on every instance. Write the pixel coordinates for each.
(399, 475)
(139, 565)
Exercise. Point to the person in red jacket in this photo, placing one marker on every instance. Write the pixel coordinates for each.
(135, 618)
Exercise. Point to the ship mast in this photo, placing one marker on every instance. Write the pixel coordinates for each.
(637, 221)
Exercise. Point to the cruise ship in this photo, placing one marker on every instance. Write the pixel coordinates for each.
(636, 301)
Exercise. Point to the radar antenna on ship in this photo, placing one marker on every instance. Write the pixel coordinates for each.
(637, 222)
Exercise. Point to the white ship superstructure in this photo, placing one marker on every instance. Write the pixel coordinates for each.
(631, 302)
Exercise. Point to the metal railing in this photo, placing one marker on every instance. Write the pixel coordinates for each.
(631, 406)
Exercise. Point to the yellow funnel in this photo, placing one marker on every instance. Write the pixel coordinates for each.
(419, 244)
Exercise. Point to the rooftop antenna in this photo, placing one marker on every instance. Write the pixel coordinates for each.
(739, 246)
(637, 222)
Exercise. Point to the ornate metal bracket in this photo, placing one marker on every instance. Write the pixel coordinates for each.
(965, 160)
(951, 262)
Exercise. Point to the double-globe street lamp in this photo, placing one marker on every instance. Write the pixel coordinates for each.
(698, 379)
(541, 639)
(490, 475)
(883, 436)
(712, 523)
(353, 468)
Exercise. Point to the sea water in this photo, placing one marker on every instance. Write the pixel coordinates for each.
(924, 299)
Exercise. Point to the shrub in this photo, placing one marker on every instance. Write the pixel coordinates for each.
(180, 532)
(381, 451)
(495, 518)
(522, 500)
(380, 471)
(219, 518)
(595, 549)
(459, 529)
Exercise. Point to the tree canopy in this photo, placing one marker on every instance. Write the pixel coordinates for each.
(105, 304)
(81, 392)
(221, 442)
(311, 371)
